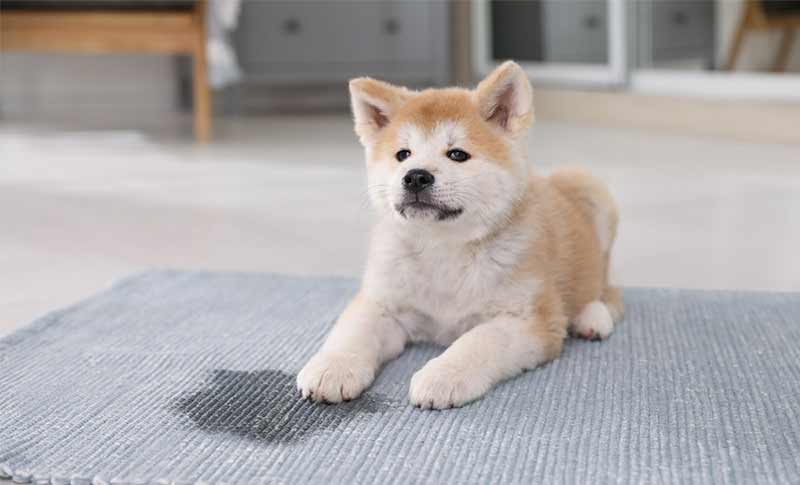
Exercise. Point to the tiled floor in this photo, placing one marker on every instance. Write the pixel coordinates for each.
(287, 194)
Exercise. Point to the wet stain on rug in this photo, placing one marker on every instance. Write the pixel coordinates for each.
(265, 406)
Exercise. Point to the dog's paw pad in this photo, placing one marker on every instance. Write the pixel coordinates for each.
(589, 334)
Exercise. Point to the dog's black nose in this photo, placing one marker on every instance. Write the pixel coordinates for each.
(417, 180)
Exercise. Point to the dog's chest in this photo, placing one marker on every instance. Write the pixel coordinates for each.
(448, 284)
(450, 290)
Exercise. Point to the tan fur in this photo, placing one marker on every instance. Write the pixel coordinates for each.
(429, 108)
(566, 254)
(549, 323)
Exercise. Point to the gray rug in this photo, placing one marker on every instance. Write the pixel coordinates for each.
(174, 377)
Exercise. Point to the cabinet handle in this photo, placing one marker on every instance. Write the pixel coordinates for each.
(680, 18)
(292, 26)
(591, 22)
(391, 26)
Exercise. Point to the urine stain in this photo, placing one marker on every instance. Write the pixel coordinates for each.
(265, 406)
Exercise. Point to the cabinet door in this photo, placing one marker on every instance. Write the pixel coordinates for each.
(407, 26)
(683, 29)
(303, 32)
(575, 31)
(331, 41)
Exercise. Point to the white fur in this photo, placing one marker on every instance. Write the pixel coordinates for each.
(335, 377)
(365, 336)
(595, 321)
(489, 353)
(454, 286)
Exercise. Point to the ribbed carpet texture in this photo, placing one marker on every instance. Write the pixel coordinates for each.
(187, 377)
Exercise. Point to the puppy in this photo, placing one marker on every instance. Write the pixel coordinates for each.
(471, 249)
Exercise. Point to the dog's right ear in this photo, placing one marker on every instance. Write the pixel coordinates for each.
(374, 103)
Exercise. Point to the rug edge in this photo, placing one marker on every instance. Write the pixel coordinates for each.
(45, 320)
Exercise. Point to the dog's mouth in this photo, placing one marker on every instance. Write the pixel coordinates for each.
(418, 208)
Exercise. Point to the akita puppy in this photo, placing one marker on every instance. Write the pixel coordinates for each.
(471, 250)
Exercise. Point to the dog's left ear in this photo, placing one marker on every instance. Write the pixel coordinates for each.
(374, 103)
(505, 98)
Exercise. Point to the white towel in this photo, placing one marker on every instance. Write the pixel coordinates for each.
(223, 66)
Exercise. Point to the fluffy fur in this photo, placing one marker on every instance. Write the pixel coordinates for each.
(498, 264)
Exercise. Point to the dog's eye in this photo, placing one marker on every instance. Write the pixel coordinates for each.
(457, 155)
(402, 155)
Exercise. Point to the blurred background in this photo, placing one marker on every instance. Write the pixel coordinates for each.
(215, 135)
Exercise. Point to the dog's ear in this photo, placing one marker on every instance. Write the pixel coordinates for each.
(374, 103)
(505, 98)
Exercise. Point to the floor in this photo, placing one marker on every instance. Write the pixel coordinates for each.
(286, 194)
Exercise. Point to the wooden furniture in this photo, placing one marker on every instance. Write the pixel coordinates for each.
(767, 15)
(160, 27)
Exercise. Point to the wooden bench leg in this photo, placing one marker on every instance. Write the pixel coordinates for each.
(782, 59)
(738, 41)
(201, 89)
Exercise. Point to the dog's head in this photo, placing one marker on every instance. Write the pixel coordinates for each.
(449, 161)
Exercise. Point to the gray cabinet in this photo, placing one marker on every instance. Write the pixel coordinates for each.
(331, 41)
(285, 33)
(671, 30)
(576, 31)
(409, 30)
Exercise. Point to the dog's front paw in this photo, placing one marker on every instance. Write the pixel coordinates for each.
(334, 377)
(439, 385)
